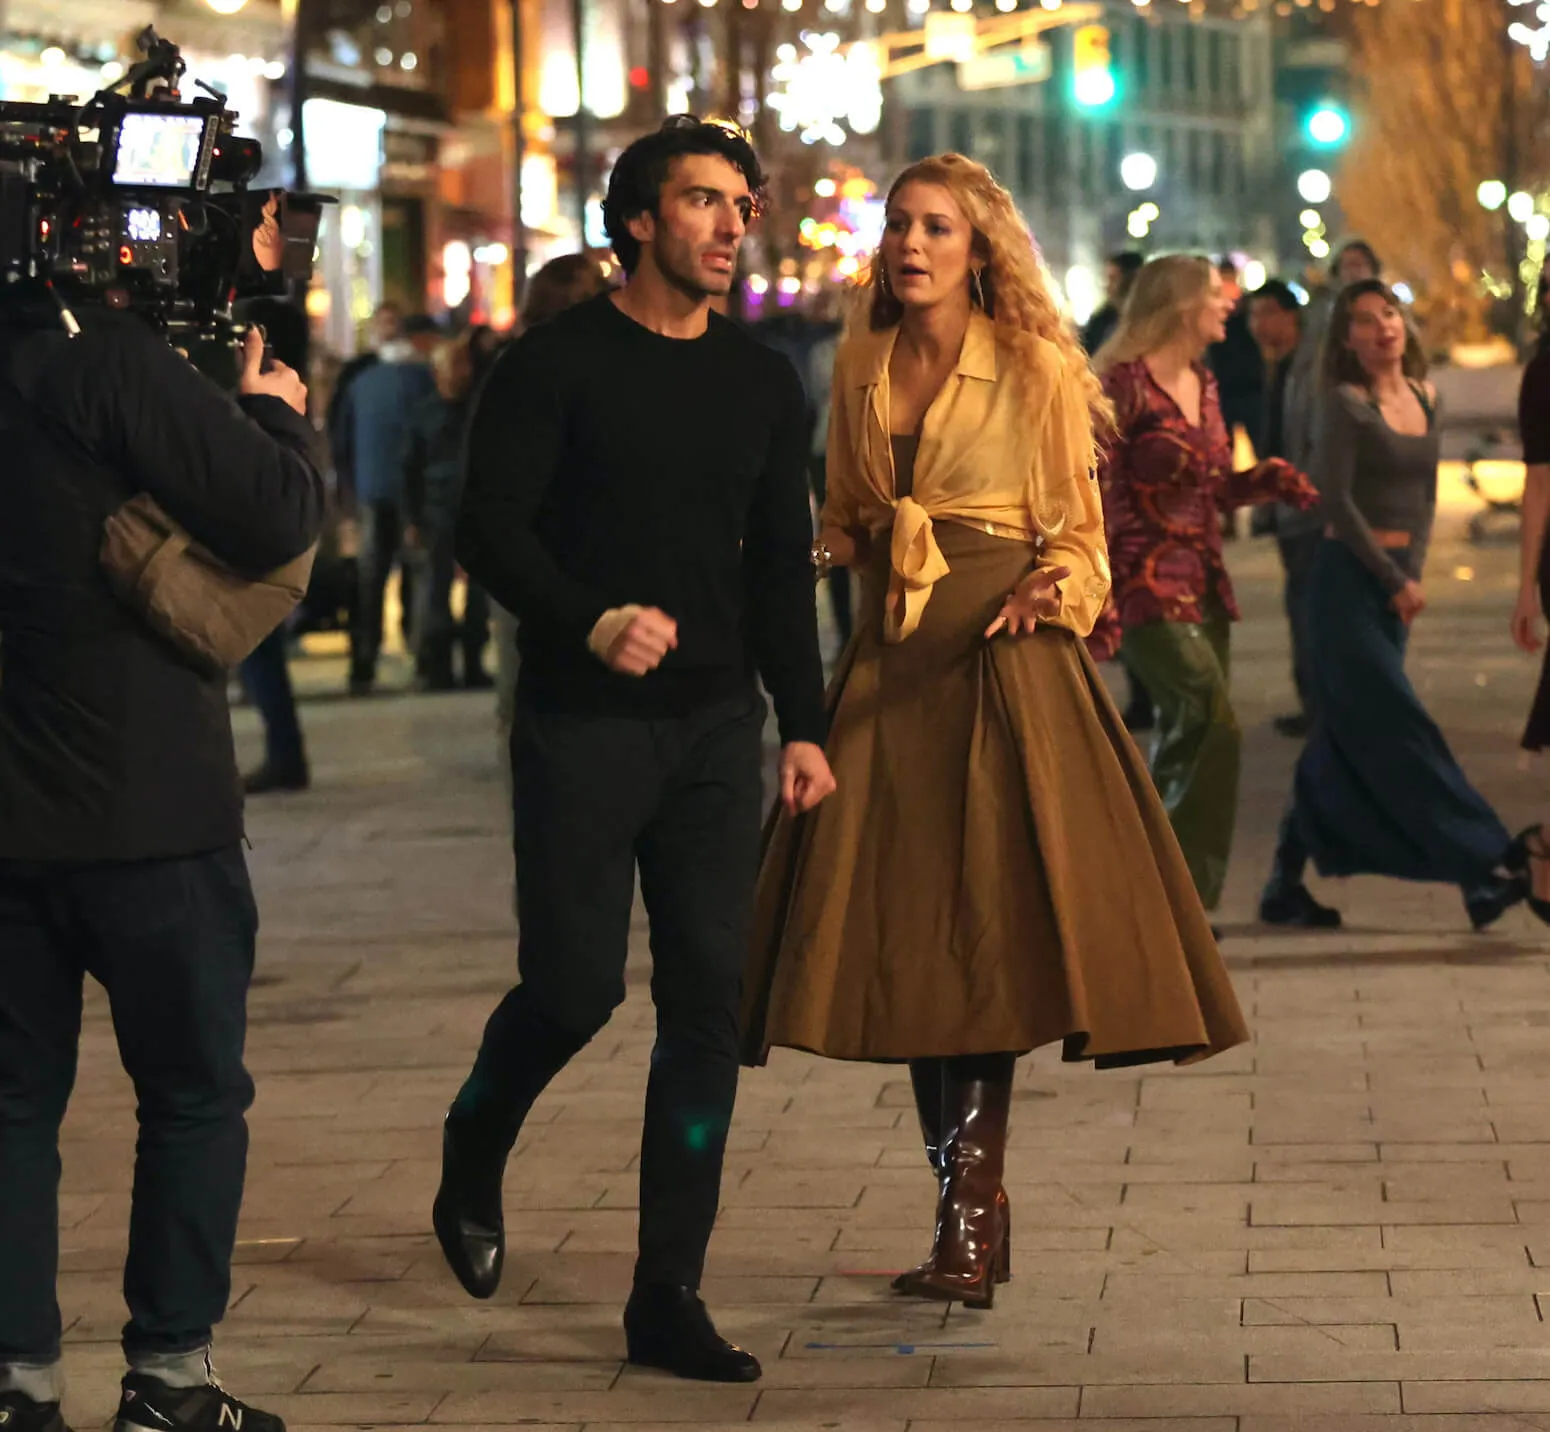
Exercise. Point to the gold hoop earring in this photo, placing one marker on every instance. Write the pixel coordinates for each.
(979, 287)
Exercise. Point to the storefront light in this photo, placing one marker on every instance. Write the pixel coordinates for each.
(456, 273)
(111, 73)
(53, 57)
(226, 7)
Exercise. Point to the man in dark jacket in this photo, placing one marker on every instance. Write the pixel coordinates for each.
(121, 838)
(374, 418)
(432, 485)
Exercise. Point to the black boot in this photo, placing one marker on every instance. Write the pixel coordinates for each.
(1490, 899)
(468, 1214)
(667, 1327)
(521, 1052)
(1286, 900)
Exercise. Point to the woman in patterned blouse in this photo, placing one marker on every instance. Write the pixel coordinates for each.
(1167, 477)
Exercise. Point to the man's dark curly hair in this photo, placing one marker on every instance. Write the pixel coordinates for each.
(635, 186)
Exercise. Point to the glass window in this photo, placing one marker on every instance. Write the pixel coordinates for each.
(1030, 135)
(922, 133)
(960, 132)
(1138, 34)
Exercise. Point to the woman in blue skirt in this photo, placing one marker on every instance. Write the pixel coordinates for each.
(1377, 791)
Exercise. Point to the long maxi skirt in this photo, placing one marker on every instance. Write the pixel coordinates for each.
(996, 871)
(1377, 790)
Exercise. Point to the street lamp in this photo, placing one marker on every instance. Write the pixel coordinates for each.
(1315, 186)
(1138, 171)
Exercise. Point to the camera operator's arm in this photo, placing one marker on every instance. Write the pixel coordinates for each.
(511, 455)
(240, 479)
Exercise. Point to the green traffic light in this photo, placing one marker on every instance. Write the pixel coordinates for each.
(1328, 126)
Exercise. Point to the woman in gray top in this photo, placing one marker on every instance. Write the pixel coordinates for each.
(1377, 790)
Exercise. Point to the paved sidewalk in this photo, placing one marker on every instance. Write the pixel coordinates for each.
(1338, 1229)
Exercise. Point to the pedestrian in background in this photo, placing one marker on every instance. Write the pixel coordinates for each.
(373, 425)
(1534, 561)
(432, 483)
(1275, 318)
(1377, 790)
(1167, 477)
(1119, 273)
(996, 873)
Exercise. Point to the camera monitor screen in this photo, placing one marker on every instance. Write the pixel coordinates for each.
(159, 151)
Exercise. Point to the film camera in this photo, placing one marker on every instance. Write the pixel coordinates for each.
(139, 199)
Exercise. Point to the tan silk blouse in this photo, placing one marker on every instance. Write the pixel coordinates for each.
(1008, 453)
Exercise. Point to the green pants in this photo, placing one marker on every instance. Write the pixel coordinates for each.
(1196, 746)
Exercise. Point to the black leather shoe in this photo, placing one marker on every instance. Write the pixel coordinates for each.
(22, 1414)
(1295, 905)
(668, 1327)
(267, 779)
(1493, 901)
(468, 1217)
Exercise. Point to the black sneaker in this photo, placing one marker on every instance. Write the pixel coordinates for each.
(148, 1405)
(19, 1413)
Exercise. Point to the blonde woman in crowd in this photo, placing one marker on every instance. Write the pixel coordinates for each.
(996, 873)
(1167, 477)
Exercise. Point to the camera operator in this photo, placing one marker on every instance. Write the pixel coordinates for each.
(121, 833)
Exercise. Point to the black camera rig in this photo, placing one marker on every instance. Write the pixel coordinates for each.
(139, 199)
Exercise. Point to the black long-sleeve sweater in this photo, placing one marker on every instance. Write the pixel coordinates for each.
(609, 465)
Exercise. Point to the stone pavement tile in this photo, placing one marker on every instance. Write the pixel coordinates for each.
(965, 1405)
(1398, 1422)
(1463, 1365)
(673, 1401)
(1464, 1282)
(829, 1424)
(1180, 1235)
(291, 1307)
(373, 1372)
(1458, 1337)
(1065, 1369)
(332, 1409)
(1467, 1259)
(1480, 1397)
(1159, 1341)
(1502, 1310)
(1289, 1204)
(1123, 1287)
(1088, 1424)
(1225, 1400)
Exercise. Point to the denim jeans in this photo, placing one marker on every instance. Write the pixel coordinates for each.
(172, 943)
(268, 681)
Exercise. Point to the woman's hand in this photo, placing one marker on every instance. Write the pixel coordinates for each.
(1525, 619)
(1409, 601)
(1036, 599)
(846, 548)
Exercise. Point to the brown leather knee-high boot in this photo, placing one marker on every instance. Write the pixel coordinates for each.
(971, 1253)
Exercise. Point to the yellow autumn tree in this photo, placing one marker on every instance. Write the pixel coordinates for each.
(1446, 101)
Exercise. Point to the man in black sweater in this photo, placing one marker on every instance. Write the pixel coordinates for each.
(636, 495)
(121, 836)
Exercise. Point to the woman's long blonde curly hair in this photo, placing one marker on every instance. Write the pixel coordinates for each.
(1015, 292)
